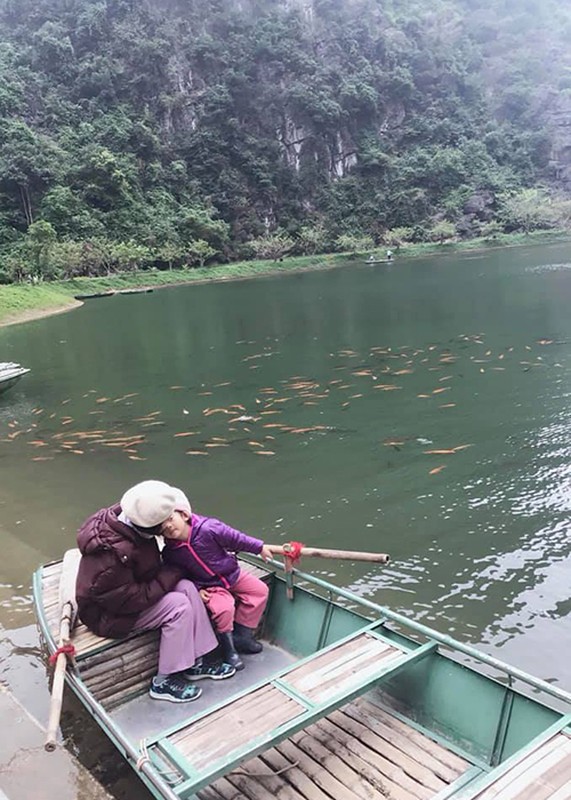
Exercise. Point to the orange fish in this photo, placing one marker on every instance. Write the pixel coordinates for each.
(436, 470)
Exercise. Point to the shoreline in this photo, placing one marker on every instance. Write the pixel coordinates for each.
(64, 292)
(32, 314)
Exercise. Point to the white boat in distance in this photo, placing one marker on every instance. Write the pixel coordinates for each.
(10, 373)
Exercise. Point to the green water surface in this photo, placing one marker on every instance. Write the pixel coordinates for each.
(305, 407)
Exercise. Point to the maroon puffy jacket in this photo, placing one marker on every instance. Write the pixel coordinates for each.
(120, 574)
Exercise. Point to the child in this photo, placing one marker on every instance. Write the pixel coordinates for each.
(205, 549)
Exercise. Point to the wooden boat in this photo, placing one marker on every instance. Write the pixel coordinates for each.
(143, 290)
(378, 260)
(92, 295)
(348, 701)
(113, 292)
(10, 373)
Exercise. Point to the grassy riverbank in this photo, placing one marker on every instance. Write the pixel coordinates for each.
(22, 302)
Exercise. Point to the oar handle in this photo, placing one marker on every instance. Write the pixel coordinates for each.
(56, 703)
(321, 552)
(50, 743)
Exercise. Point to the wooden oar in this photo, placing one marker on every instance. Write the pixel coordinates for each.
(67, 608)
(294, 550)
(320, 552)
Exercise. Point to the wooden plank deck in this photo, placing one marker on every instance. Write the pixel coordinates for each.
(207, 746)
(260, 712)
(544, 774)
(359, 752)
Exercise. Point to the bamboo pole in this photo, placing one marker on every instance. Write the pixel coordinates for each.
(67, 617)
(321, 552)
(57, 684)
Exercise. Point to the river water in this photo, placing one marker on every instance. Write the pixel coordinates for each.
(419, 408)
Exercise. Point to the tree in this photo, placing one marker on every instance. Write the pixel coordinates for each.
(199, 252)
(354, 243)
(491, 230)
(533, 209)
(274, 246)
(170, 253)
(28, 163)
(312, 239)
(442, 231)
(40, 241)
(396, 237)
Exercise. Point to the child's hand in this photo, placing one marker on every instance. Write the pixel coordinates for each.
(266, 553)
(205, 594)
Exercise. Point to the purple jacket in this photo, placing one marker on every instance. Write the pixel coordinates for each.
(204, 556)
(120, 574)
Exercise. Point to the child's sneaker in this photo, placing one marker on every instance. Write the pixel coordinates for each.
(203, 669)
(175, 689)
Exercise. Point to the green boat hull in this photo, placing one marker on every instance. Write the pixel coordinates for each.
(469, 703)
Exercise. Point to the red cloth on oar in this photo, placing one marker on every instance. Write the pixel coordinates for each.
(67, 649)
(293, 550)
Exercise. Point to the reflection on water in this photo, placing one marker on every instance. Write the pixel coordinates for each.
(421, 410)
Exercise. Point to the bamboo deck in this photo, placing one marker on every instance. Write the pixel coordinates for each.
(114, 670)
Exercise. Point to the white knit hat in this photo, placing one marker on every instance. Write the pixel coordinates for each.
(149, 503)
(182, 503)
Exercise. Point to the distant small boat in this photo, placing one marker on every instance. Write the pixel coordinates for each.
(10, 373)
(112, 293)
(89, 296)
(378, 260)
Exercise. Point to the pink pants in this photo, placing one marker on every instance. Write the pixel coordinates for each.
(244, 603)
(186, 632)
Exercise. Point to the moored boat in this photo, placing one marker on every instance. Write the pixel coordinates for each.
(10, 373)
(348, 700)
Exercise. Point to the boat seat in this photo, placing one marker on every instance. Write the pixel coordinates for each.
(85, 642)
(210, 744)
(542, 774)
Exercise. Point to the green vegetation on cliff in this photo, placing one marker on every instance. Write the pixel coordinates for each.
(182, 133)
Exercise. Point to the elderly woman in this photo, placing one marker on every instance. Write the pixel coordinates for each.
(123, 587)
